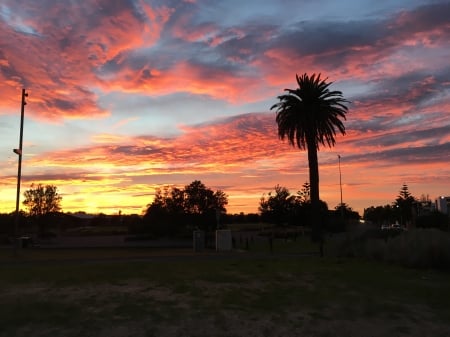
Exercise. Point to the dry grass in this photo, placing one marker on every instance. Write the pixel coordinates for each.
(264, 296)
(418, 248)
(141, 309)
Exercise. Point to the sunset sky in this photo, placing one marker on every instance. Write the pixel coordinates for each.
(127, 96)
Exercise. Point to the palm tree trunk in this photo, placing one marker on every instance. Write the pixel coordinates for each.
(313, 174)
(317, 230)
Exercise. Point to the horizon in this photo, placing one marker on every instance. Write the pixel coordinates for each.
(128, 97)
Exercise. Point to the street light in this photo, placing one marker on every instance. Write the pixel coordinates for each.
(340, 184)
(19, 169)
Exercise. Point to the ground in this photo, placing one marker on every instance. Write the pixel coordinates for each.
(219, 295)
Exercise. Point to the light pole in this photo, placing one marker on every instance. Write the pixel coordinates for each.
(19, 169)
(340, 185)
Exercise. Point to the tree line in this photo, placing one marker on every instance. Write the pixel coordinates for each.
(178, 211)
(280, 207)
(407, 211)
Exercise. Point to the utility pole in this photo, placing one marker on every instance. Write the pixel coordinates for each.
(19, 171)
(340, 185)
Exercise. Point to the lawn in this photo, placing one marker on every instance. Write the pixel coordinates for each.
(178, 293)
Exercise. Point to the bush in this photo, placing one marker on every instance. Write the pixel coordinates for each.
(353, 243)
(418, 248)
(434, 219)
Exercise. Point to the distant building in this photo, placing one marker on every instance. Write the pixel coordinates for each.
(443, 204)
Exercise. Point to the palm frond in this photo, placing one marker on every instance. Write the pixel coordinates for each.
(311, 112)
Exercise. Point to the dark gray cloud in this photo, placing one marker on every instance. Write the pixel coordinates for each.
(29, 179)
(417, 96)
(78, 16)
(439, 153)
(416, 88)
(245, 47)
(423, 18)
(333, 43)
(431, 136)
(316, 38)
(130, 150)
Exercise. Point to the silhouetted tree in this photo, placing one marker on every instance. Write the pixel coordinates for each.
(202, 204)
(165, 215)
(302, 214)
(304, 195)
(380, 215)
(199, 199)
(342, 216)
(42, 201)
(404, 205)
(283, 208)
(174, 209)
(276, 208)
(309, 116)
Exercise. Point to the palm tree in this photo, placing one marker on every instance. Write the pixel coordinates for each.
(309, 116)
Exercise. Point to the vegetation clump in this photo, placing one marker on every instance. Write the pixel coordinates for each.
(417, 248)
(176, 211)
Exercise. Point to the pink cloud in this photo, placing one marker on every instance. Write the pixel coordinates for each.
(189, 77)
(61, 61)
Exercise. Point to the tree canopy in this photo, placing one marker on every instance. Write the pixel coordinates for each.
(276, 208)
(41, 200)
(407, 211)
(311, 114)
(280, 207)
(174, 209)
(404, 205)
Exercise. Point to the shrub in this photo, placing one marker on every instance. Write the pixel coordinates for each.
(353, 243)
(418, 248)
(434, 219)
(375, 249)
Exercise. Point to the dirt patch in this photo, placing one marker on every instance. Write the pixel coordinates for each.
(137, 309)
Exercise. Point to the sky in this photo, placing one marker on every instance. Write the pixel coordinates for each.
(126, 96)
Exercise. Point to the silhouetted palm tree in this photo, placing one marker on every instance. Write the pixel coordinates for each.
(309, 116)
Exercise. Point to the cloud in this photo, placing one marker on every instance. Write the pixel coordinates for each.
(113, 47)
(69, 45)
(238, 144)
(362, 48)
(218, 146)
(175, 90)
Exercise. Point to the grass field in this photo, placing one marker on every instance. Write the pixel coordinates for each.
(178, 293)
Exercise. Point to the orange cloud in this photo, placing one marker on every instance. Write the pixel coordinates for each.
(240, 155)
(61, 64)
(77, 60)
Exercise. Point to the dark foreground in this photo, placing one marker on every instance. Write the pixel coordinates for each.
(180, 293)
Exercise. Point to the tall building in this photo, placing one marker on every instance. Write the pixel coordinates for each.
(443, 204)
